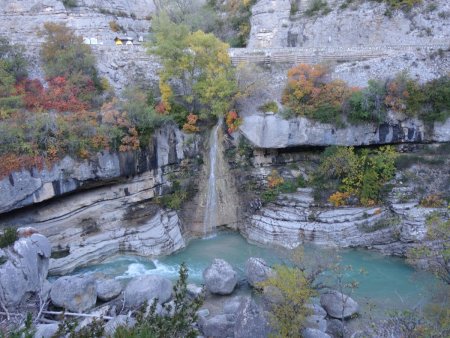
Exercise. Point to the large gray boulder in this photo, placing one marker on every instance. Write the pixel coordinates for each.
(74, 293)
(338, 305)
(251, 320)
(108, 289)
(220, 277)
(218, 326)
(257, 270)
(146, 288)
(25, 268)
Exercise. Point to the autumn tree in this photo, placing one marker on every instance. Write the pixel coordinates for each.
(65, 55)
(288, 314)
(196, 70)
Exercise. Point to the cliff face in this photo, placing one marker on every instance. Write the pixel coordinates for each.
(274, 25)
(91, 210)
(21, 22)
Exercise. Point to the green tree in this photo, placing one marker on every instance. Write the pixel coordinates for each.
(288, 315)
(199, 62)
(64, 54)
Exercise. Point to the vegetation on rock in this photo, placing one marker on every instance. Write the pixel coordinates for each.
(288, 315)
(308, 93)
(360, 174)
(8, 237)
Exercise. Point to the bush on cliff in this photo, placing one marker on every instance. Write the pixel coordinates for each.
(309, 93)
(360, 174)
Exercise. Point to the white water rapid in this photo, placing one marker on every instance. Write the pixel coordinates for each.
(210, 219)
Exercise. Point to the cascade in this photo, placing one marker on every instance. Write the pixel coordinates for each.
(210, 219)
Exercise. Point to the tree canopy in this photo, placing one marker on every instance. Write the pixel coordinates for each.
(197, 71)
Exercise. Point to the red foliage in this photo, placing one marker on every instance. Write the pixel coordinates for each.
(61, 94)
(33, 93)
(161, 108)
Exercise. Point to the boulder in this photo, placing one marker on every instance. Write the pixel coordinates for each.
(116, 322)
(316, 322)
(24, 269)
(251, 320)
(220, 278)
(74, 293)
(338, 305)
(194, 290)
(314, 333)
(317, 310)
(257, 270)
(336, 328)
(146, 288)
(108, 289)
(218, 326)
(46, 330)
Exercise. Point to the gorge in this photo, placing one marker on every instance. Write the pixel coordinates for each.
(229, 177)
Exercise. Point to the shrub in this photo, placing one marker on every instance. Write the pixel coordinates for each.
(233, 121)
(367, 105)
(8, 238)
(361, 174)
(339, 199)
(190, 125)
(432, 201)
(115, 27)
(65, 55)
(436, 100)
(70, 3)
(270, 106)
(315, 6)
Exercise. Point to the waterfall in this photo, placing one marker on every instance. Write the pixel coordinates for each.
(210, 219)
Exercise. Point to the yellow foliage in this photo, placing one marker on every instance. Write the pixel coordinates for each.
(166, 93)
(338, 199)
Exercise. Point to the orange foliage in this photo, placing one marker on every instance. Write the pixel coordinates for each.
(274, 179)
(190, 125)
(339, 199)
(12, 162)
(233, 121)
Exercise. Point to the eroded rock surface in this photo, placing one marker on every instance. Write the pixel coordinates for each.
(25, 268)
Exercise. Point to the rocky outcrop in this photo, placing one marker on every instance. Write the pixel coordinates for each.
(257, 270)
(272, 131)
(251, 320)
(147, 288)
(293, 219)
(273, 25)
(338, 305)
(74, 293)
(220, 277)
(24, 269)
(26, 188)
(114, 207)
(119, 321)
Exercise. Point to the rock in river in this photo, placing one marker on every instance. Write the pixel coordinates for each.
(220, 278)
